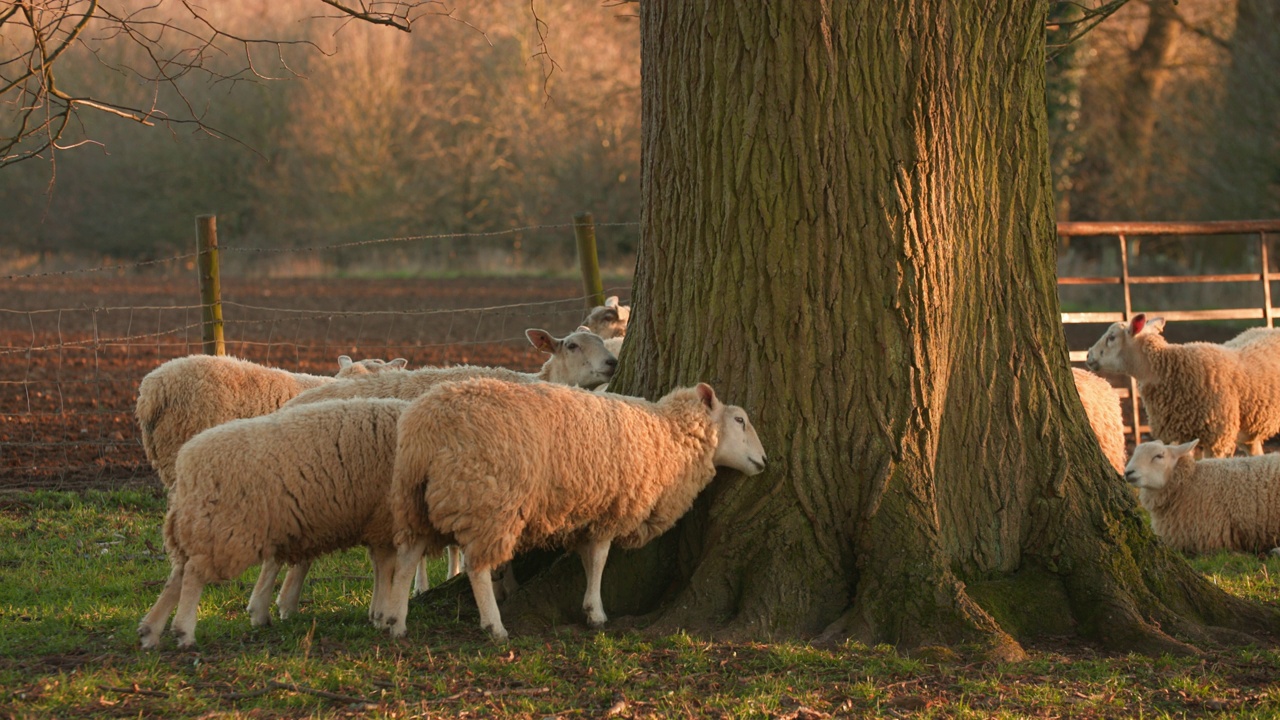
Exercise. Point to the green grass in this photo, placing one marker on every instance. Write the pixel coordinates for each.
(77, 571)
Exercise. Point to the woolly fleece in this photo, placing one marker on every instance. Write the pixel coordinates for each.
(1102, 406)
(1227, 503)
(189, 394)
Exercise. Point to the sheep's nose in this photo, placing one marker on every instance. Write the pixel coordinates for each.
(611, 362)
(1091, 364)
(1130, 477)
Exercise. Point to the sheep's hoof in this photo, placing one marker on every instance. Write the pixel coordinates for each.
(185, 640)
(260, 621)
(595, 618)
(499, 634)
(150, 639)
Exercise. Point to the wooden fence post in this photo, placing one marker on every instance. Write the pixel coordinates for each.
(210, 285)
(584, 229)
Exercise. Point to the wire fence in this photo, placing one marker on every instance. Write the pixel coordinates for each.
(76, 341)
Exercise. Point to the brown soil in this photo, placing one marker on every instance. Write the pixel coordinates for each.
(73, 349)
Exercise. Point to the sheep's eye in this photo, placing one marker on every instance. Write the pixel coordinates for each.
(571, 346)
(1160, 456)
(740, 420)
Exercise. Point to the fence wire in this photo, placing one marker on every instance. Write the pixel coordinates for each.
(74, 344)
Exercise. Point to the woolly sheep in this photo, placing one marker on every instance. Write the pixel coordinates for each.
(496, 467)
(1206, 505)
(189, 394)
(1102, 406)
(609, 320)
(1218, 394)
(580, 358)
(284, 487)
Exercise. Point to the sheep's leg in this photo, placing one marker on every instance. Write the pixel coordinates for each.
(482, 588)
(260, 600)
(504, 581)
(396, 606)
(421, 583)
(153, 622)
(384, 572)
(184, 623)
(593, 554)
(291, 589)
(455, 560)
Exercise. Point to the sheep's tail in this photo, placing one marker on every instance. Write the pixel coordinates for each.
(408, 493)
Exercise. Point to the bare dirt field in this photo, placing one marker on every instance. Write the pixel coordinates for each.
(73, 349)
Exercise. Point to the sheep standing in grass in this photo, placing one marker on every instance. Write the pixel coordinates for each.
(284, 487)
(189, 394)
(579, 358)
(1201, 506)
(609, 320)
(1219, 394)
(497, 467)
(1102, 406)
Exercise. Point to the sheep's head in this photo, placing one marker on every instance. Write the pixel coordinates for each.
(1107, 355)
(579, 358)
(369, 366)
(1153, 462)
(739, 446)
(609, 320)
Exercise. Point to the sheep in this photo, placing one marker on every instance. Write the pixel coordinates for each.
(497, 467)
(189, 394)
(284, 487)
(580, 358)
(1219, 394)
(609, 320)
(1206, 505)
(1102, 406)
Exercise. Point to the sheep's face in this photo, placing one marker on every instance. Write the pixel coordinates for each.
(580, 358)
(609, 320)
(368, 366)
(739, 447)
(1153, 462)
(1107, 355)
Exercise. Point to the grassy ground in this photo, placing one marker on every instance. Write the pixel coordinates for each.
(78, 571)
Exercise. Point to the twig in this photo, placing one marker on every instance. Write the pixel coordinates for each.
(247, 694)
(135, 690)
(319, 693)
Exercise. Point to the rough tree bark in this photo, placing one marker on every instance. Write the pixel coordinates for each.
(848, 229)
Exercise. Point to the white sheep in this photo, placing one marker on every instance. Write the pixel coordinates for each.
(1201, 506)
(284, 487)
(497, 467)
(609, 320)
(579, 358)
(1219, 394)
(1102, 406)
(189, 394)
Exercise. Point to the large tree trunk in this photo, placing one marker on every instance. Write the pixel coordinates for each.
(848, 229)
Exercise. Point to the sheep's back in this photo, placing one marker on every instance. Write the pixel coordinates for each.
(1194, 394)
(1102, 406)
(294, 484)
(404, 385)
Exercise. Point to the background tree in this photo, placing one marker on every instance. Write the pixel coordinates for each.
(848, 229)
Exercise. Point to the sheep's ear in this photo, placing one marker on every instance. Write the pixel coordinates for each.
(611, 301)
(582, 328)
(542, 340)
(344, 362)
(1184, 448)
(398, 362)
(1155, 325)
(1138, 322)
(707, 396)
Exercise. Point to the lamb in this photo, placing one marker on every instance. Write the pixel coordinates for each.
(1218, 394)
(497, 467)
(1102, 406)
(284, 487)
(580, 358)
(609, 320)
(189, 394)
(1198, 507)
